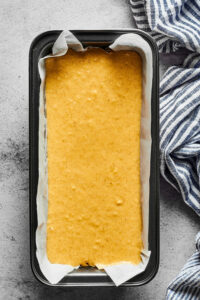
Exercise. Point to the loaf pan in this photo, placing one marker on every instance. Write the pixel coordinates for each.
(41, 46)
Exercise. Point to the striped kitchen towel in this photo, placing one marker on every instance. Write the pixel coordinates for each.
(175, 24)
(180, 129)
(172, 23)
(187, 283)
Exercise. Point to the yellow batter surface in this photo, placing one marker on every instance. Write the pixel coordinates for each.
(93, 102)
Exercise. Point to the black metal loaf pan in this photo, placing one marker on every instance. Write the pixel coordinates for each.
(40, 47)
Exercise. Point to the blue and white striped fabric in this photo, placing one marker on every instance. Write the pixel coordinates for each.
(172, 23)
(187, 283)
(180, 129)
(175, 24)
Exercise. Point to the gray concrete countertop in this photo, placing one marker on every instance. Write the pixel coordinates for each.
(20, 22)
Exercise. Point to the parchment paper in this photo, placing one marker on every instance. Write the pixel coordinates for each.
(123, 271)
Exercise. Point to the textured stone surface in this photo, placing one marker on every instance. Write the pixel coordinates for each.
(20, 22)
